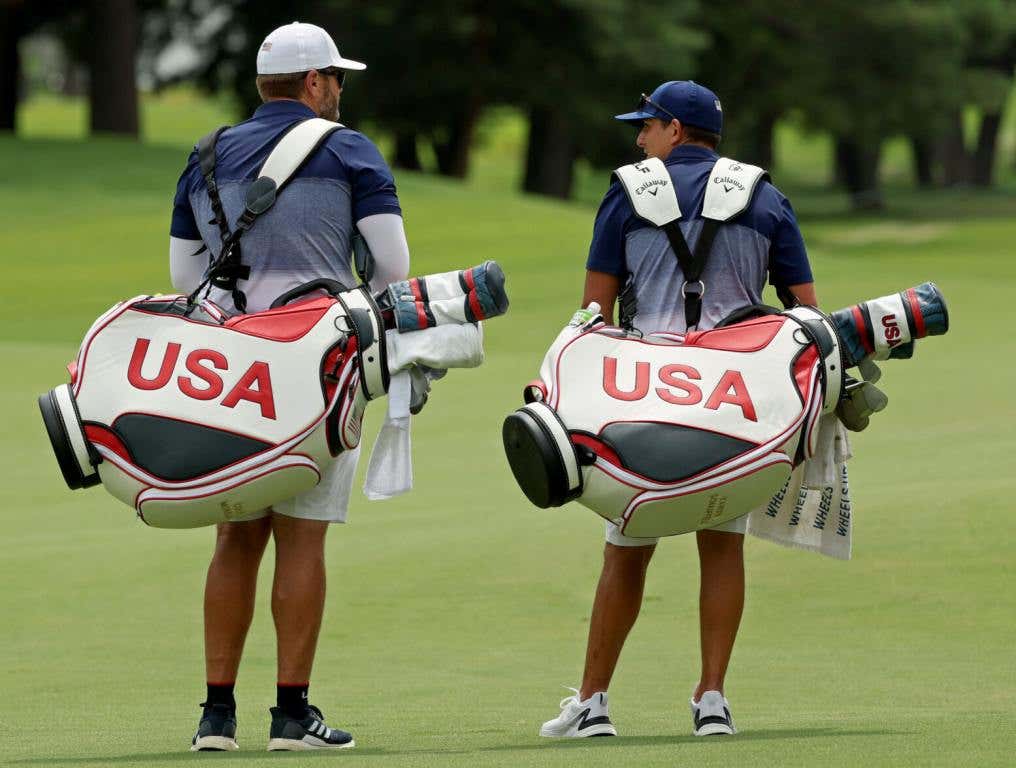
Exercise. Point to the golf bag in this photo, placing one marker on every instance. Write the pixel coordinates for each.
(670, 433)
(194, 417)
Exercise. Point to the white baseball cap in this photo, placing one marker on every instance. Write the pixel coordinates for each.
(299, 47)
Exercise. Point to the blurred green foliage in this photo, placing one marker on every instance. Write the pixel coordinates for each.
(803, 158)
(935, 75)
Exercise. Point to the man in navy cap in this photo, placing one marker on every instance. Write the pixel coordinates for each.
(344, 186)
(680, 123)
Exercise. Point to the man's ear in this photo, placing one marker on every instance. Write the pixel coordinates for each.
(678, 129)
(311, 80)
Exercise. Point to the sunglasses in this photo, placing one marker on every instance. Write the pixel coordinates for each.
(338, 74)
(646, 100)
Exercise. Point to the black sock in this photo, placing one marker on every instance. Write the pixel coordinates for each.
(292, 699)
(221, 693)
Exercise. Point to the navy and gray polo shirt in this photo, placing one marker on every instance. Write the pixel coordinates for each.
(736, 270)
(307, 233)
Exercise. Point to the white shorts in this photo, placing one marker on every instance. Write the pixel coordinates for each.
(618, 539)
(328, 500)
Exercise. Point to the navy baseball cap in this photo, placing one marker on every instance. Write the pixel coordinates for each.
(685, 100)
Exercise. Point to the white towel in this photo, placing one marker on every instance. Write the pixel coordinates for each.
(813, 511)
(390, 471)
(445, 346)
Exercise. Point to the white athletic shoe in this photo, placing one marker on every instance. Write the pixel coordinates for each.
(711, 715)
(579, 719)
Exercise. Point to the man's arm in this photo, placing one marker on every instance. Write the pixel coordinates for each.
(602, 288)
(376, 208)
(385, 236)
(788, 258)
(188, 260)
(804, 293)
(605, 266)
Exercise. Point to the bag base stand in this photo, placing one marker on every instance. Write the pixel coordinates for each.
(75, 456)
(542, 456)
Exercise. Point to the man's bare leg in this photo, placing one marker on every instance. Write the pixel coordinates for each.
(721, 602)
(298, 594)
(615, 608)
(229, 595)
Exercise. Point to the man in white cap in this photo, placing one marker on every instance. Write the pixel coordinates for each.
(344, 186)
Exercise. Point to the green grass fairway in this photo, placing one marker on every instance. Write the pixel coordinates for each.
(456, 613)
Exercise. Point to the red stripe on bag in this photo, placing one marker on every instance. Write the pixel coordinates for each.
(108, 439)
(915, 307)
(421, 314)
(804, 367)
(289, 323)
(598, 447)
(474, 302)
(862, 329)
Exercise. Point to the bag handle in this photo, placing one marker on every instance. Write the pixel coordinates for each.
(322, 283)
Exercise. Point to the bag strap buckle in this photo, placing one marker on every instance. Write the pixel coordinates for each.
(693, 288)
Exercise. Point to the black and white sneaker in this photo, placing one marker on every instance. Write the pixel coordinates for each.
(711, 715)
(216, 729)
(290, 733)
(579, 719)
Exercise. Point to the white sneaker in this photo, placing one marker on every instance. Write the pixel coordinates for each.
(711, 715)
(579, 719)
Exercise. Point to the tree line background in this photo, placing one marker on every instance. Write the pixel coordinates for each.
(862, 70)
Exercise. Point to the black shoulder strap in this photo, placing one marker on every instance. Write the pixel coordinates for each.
(206, 160)
(228, 269)
(692, 265)
(693, 261)
(224, 271)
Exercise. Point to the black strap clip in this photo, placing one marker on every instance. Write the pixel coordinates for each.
(627, 305)
(693, 289)
(226, 274)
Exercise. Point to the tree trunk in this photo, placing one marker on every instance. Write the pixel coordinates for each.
(923, 168)
(758, 145)
(841, 158)
(112, 87)
(406, 155)
(75, 79)
(984, 155)
(953, 151)
(11, 29)
(453, 152)
(859, 167)
(550, 153)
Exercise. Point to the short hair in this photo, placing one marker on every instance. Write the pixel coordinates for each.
(288, 85)
(701, 136)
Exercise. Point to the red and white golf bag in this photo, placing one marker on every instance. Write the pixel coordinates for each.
(194, 417)
(670, 433)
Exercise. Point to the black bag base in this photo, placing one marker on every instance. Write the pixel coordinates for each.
(56, 417)
(536, 460)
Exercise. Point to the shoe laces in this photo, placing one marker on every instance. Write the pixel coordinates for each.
(316, 712)
(570, 700)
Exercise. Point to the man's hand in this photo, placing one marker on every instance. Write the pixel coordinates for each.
(586, 318)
